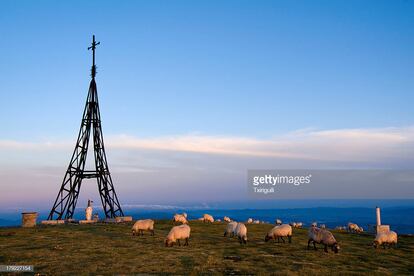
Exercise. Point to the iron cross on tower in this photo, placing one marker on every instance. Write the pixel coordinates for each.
(93, 47)
(65, 203)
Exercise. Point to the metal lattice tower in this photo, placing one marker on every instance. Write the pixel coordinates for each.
(65, 203)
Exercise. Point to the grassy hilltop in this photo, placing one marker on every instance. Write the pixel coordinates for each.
(111, 249)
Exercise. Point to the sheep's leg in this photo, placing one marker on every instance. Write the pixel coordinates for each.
(326, 248)
(240, 240)
(290, 239)
(314, 245)
(282, 239)
(152, 232)
(186, 241)
(309, 243)
(225, 234)
(178, 241)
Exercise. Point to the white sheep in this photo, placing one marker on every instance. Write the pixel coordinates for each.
(323, 226)
(340, 228)
(230, 229)
(386, 238)
(218, 220)
(227, 219)
(322, 236)
(241, 232)
(143, 225)
(89, 210)
(208, 218)
(296, 224)
(314, 224)
(354, 228)
(177, 233)
(250, 220)
(180, 218)
(256, 222)
(280, 231)
(278, 222)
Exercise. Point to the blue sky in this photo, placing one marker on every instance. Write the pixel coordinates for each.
(220, 76)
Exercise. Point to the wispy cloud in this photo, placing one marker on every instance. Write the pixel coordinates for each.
(340, 144)
(205, 168)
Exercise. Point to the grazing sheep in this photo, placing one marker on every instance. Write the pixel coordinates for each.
(230, 229)
(227, 219)
(296, 224)
(386, 238)
(177, 233)
(180, 218)
(208, 218)
(143, 225)
(354, 228)
(256, 222)
(323, 226)
(89, 210)
(340, 228)
(241, 233)
(250, 220)
(280, 231)
(218, 220)
(278, 222)
(322, 236)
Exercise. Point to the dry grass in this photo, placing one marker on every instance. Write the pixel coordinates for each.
(111, 249)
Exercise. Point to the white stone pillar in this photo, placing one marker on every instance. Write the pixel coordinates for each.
(378, 216)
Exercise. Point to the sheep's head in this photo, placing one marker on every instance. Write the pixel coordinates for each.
(244, 239)
(168, 243)
(267, 238)
(336, 248)
(375, 244)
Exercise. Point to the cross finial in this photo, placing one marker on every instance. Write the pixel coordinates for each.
(93, 47)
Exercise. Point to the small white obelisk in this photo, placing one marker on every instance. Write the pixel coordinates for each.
(379, 227)
(378, 216)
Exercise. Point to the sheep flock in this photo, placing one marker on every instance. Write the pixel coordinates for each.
(233, 229)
